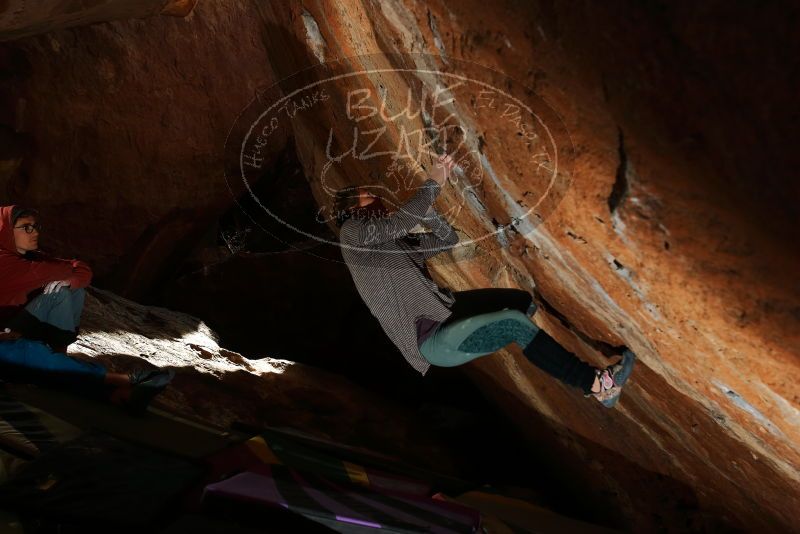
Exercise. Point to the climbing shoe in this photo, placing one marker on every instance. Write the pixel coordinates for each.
(613, 378)
(145, 385)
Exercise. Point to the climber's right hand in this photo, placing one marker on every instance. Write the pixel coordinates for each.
(442, 169)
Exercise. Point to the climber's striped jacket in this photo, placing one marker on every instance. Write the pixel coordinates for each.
(389, 269)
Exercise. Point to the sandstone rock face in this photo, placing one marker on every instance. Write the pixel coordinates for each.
(664, 242)
(20, 18)
(669, 234)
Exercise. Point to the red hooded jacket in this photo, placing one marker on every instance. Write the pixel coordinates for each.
(20, 275)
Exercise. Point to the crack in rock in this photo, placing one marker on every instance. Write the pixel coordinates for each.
(620, 189)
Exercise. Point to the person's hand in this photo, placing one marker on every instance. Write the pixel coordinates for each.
(442, 168)
(55, 285)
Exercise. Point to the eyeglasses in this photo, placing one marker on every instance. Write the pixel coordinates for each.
(29, 228)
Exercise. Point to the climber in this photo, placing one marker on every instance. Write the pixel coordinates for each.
(41, 299)
(430, 325)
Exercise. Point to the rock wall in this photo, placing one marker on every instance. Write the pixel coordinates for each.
(671, 238)
(129, 148)
(20, 18)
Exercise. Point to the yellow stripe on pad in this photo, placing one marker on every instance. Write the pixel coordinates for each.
(259, 447)
(356, 473)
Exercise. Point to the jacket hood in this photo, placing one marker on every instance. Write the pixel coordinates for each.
(7, 229)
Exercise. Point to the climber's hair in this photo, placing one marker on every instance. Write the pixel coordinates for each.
(345, 202)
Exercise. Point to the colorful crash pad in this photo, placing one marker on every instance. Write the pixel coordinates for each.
(342, 508)
(273, 448)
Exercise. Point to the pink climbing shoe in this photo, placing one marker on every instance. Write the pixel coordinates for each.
(612, 378)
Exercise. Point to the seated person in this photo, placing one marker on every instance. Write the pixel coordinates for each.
(429, 324)
(52, 317)
(53, 314)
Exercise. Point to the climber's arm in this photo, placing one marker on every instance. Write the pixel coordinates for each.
(374, 231)
(441, 237)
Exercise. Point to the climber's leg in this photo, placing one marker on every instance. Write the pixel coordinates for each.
(463, 340)
(480, 301)
(548, 355)
(457, 342)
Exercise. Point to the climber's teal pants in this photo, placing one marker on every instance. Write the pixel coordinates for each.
(465, 339)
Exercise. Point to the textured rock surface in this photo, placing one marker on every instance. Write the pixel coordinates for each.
(19, 18)
(672, 238)
(681, 265)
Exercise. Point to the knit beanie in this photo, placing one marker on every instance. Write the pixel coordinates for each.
(20, 211)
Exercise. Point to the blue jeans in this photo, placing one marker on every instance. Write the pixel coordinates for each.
(28, 360)
(25, 360)
(61, 309)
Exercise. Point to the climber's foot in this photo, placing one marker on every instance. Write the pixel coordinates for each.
(613, 378)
